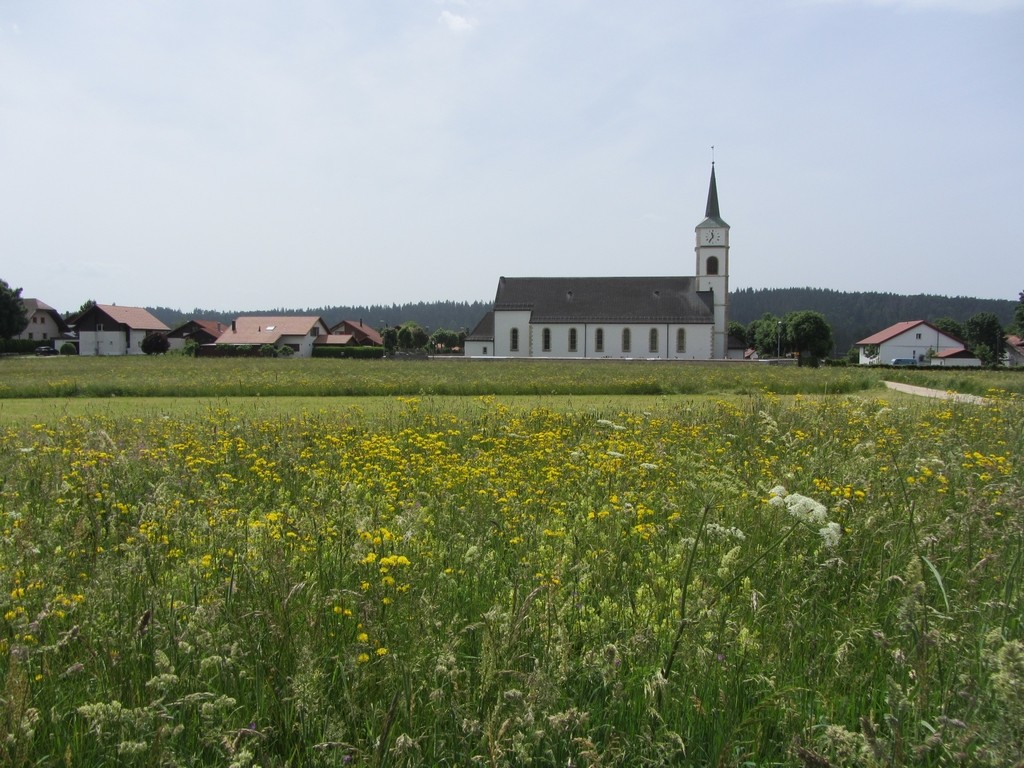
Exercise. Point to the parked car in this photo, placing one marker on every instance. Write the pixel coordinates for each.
(43, 349)
(904, 361)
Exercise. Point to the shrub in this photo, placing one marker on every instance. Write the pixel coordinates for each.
(67, 348)
(364, 353)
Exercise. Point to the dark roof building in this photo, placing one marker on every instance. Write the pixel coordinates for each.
(684, 318)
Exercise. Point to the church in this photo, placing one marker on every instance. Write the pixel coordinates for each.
(667, 318)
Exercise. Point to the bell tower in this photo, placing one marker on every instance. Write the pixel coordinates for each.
(713, 267)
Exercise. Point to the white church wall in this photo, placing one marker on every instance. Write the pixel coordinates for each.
(504, 322)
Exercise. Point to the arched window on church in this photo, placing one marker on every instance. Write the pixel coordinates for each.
(712, 265)
(680, 340)
(599, 340)
(625, 340)
(652, 345)
(546, 339)
(513, 340)
(572, 339)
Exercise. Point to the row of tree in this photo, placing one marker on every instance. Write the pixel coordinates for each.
(808, 335)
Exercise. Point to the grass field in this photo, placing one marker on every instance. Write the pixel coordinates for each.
(739, 578)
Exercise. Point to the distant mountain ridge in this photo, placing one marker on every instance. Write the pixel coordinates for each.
(853, 316)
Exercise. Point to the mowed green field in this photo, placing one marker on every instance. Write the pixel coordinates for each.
(571, 564)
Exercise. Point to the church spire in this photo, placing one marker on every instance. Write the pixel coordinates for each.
(712, 209)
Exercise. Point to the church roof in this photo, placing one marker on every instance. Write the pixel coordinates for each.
(484, 330)
(606, 299)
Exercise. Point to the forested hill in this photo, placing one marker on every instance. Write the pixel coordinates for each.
(453, 315)
(854, 316)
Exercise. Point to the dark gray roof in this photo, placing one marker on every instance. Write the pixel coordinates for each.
(606, 299)
(484, 330)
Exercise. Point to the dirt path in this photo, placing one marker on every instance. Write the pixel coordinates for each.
(939, 393)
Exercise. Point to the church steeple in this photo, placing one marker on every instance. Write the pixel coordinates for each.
(712, 216)
(712, 209)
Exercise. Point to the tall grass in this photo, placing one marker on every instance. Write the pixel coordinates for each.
(173, 376)
(802, 581)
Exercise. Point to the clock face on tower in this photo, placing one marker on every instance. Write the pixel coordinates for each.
(712, 237)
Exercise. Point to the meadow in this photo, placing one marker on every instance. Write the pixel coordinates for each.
(748, 577)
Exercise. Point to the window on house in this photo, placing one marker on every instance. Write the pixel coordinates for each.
(599, 340)
(712, 265)
(572, 339)
(919, 335)
(99, 327)
(30, 335)
(680, 340)
(513, 340)
(652, 339)
(546, 339)
(626, 340)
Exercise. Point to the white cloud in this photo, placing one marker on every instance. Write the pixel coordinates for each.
(456, 23)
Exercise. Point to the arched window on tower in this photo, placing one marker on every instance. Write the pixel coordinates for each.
(712, 265)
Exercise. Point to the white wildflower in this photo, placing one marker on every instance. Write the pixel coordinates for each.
(616, 454)
(806, 509)
(648, 466)
(830, 535)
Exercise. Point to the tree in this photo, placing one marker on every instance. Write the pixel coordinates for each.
(765, 335)
(412, 336)
(390, 338)
(1018, 315)
(985, 336)
(445, 340)
(809, 334)
(13, 317)
(949, 326)
(738, 331)
(86, 306)
(155, 343)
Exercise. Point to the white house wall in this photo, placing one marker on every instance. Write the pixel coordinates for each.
(915, 343)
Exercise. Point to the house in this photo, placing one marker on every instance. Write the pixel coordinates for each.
(916, 340)
(200, 331)
(1014, 352)
(44, 322)
(354, 333)
(297, 332)
(956, 358)
(675, 318)
(108, 329)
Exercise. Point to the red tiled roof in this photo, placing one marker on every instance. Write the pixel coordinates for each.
(268, 329)
(335, 339)
(133, 317)
(360, 331)
(212, 327)
(957, 352)
(891, 331)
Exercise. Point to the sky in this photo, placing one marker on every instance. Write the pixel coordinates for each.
(262, 154)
